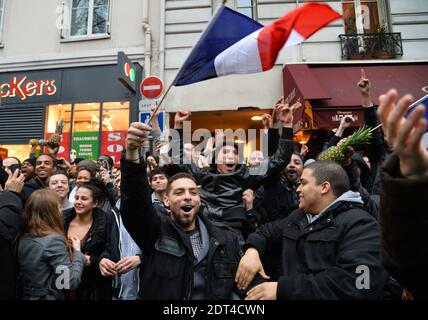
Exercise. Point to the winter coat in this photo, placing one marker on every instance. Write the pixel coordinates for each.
(404, 226)
(323, 259)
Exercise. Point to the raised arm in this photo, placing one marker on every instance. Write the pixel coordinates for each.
(403, 210)
(139, 217)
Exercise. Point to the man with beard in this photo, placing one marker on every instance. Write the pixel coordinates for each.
(185, 255)
(278, 195)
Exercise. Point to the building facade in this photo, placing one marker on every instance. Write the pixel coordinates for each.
(75, 43)
(388, 38)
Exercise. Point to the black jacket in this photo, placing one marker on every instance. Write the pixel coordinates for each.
(10, 224)
(221, 193)
(404, 225)
(321, 260)
(168, 263)
(97, 245)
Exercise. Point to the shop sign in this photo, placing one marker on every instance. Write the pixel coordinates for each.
(86, 144)
(31, 87)
(332, 118)
(112, 144)
(127, 71)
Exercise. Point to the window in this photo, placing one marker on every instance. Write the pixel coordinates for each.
(1, 18)
(372, 18)
(86, 18)
(247, 7)
(89, 122)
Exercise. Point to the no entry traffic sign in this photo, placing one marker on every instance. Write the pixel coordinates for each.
(151, 87)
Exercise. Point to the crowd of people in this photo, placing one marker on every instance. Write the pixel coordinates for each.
(203, 225)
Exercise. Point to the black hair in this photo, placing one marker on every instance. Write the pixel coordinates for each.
(157, 170)
(327, 170)
(55, 162)
(299, 155)
(97, 194)
(89, 169)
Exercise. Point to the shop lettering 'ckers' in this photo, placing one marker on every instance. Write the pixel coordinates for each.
(22, 88)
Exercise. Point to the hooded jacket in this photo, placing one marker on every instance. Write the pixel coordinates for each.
(321, 256)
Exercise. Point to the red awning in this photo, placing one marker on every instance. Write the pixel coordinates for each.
(332, 88)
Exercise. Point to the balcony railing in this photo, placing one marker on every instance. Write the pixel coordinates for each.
(371, 46)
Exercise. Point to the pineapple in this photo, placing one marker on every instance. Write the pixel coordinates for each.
(337, 153)
(55, 139)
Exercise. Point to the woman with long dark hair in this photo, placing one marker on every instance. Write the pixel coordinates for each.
(48, 264)
(92, 226)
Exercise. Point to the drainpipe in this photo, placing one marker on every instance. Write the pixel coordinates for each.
(162, 40)
(147, 39)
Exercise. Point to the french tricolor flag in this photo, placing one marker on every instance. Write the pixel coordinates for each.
(233, 43)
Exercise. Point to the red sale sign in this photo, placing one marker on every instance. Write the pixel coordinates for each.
(112, 144)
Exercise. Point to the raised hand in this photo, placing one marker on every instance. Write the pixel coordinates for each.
(286, 113)
(15, 182)
(405, 135)
(267, 120)
(364, 86)
(137, 134)
(248, 197)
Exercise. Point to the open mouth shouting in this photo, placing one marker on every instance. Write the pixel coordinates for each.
(291, 174)
(187, 208)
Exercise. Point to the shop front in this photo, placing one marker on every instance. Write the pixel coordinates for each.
(329, 92)
(95, 106)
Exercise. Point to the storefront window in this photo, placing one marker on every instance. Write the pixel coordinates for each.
(115, 123)
(54, 113)
(20, 151)
(369, 20)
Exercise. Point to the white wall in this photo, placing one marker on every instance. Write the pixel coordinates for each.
(31, 37)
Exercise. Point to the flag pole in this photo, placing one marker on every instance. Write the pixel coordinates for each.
(167, 90)
(159, 104)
